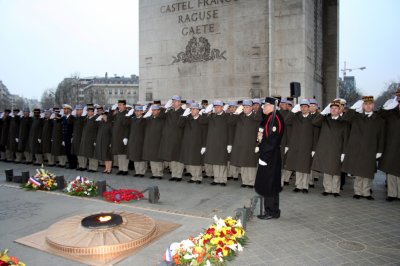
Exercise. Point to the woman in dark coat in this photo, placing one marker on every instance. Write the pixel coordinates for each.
(268, 179)
(103, 142)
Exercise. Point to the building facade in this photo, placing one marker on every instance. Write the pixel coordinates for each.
(209, 49)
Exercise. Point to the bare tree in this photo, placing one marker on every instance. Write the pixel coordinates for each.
(48, 99)
(388, 93)
(350, 93)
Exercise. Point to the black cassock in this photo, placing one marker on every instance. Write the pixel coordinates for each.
(268, 179)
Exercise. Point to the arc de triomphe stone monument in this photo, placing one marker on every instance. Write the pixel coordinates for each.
(231, 49)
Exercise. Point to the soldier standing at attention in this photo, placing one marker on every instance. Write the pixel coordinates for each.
(268, 179)
(35, 136)
(216, 153)
(365, 146)
(300, 146)
(389, 162)
(120, 134)
(23, 143)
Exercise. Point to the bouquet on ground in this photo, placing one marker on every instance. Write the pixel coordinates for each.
(82, 187)
(118, 195)
(7, 260)
(43, 180)
(218, 244)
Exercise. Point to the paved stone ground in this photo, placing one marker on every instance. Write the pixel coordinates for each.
(312, 230)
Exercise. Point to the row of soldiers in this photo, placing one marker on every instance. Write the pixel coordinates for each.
(219, 139)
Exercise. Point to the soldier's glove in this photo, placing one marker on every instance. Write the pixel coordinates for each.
(229, 148)
(39, 140)
(16, 140)
(130, 113)
(94, 144)
(342, 157)
(187, 112)
(256, 150)
(125, 141)
(378, 155)
(391, 103)
(286, 149)
(63, 143)
(203, 150)
(312, 153)
(326, 110)
(239, 110)
(261, 162)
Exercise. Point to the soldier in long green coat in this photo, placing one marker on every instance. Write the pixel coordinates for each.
(136, 137)
(329, 152)
(300, 144)
(194, 138)
(152, 140)
(35, 136)
(23, 142)
(13, 135)
(47, 136)
(88, 140)
(103, 142)
(389, 162)
(244, 153)
(77, 136)
(365, 146)
(58, 145)
(6, 121)
(120, 134)
(216, 153)
(171, 139)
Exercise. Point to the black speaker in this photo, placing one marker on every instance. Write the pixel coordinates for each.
(295, 89)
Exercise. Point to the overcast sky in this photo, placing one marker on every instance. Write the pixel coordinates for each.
(43, 41)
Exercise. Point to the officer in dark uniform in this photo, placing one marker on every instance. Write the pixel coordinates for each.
(268, 179)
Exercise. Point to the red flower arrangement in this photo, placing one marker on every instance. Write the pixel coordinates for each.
(118, 195)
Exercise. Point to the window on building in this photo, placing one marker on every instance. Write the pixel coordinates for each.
(115, 91)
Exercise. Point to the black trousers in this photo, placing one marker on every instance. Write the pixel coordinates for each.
(271, 205)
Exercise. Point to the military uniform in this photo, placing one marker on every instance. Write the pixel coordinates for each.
(76, 141)
(366, 142)
(35, 137)
(12, 144)
(300, 144)
(67, 130)
(329, 149)
(151, 143)
(47, 136)
(23, 142)
(58, 145)
(243, 153)
(389, 162)
(103, 141)
(6, 121)
(268, 178)
(216, 146)
(170, 145)
(194, 138)
(120, 132)
(135, 145)
(88, 143)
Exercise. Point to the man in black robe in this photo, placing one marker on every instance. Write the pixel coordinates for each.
(268, 179)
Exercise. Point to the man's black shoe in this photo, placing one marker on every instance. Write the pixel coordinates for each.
(336, 195)
(286, 183)
(325, 193)
(390, 199)
(187, 174)
(222, 184)
(159, 177)
(152, 177)
(120, 172)
(312, 186)
(198, 182)
(91, 171)
(83, 169)
(235, 179)
(230, 178)
(190, 181)
(305, 191)
(214, 183)
(178, 179)
(141, 175)
(250, 186)
(206, 176)
(267, 217)
(243, 185)
(296, 190)
(315, 179)
(172, 179)
(136, 175)
(356, 197)
(370, 198)
(125, 173)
